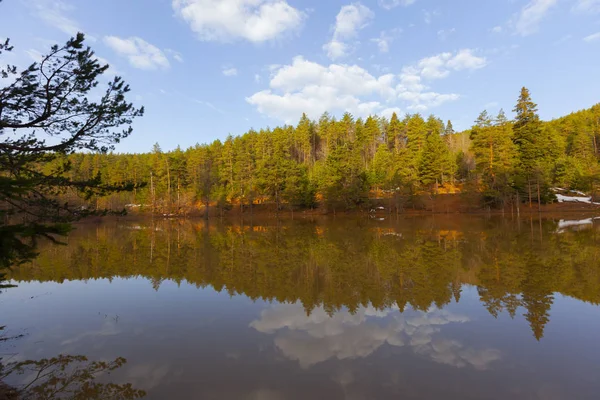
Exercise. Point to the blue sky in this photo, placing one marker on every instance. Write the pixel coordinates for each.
(208, 68)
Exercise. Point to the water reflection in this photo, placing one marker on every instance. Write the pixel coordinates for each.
(324, 308)
(327, 266)
(318, 337)
(65, 377)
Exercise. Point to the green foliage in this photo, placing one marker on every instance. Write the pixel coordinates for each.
(522, 160)
(495, 157)
(433, 165)
(344, 162)
(51, 99)
(339, 162)
(342, 179)
(529, 136)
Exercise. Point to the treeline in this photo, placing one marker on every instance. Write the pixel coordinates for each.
(517, 266)
(341, 164)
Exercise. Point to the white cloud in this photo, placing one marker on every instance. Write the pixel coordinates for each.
(336, 49)
(388, 112)
(411, 89)
(444, 34)
(175, 54)
(230, 71)
(592, 38)
(497, 29)
(54, 13)
(587, 6)
(528, 20)
(385, 39)
(350, 19)
(139, 53)
(383, 43)
(435, 67)
(319, 337)
(306, 86)
(227, 20)
(349, 79)
(257, 78)
(439, 66)
(465, 59)
(389, 4)
(348, 22)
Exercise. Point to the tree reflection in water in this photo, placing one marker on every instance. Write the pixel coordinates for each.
(65, 377)
(516, 266)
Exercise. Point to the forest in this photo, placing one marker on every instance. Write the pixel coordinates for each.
(342, 164)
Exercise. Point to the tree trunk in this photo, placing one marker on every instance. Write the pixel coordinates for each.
(539, 196)
(529, 189)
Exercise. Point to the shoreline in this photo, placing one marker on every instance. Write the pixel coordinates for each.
(442, 205)
(556, 211)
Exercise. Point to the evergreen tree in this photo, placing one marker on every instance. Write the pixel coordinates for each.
(449, 128)
(53, 99)
(395, 133)
(483, 120)
(434, 161)
(532, 143)
(304, 134)
(382, 170)
(494, 153)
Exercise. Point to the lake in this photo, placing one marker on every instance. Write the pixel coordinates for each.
(453, 307)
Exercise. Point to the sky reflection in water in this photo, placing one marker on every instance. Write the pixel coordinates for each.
(349, 309)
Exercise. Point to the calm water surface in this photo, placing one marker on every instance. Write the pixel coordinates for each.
(422, 308)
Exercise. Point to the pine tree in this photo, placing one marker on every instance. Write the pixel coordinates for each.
(47, 111)
(304, 135)
(395, 133)
(372, 137)
(483, 120)
(494, 153)
(449, 128)
(434, 160)
(382, 171)
(532, 143)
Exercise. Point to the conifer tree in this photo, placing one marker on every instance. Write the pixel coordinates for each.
(46, 113)
(533, 146)
(395, 133)
(434, 161)
(449, 128)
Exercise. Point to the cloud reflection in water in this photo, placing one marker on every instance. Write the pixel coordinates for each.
(319, 337)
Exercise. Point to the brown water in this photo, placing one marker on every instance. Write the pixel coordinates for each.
(421, 308)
